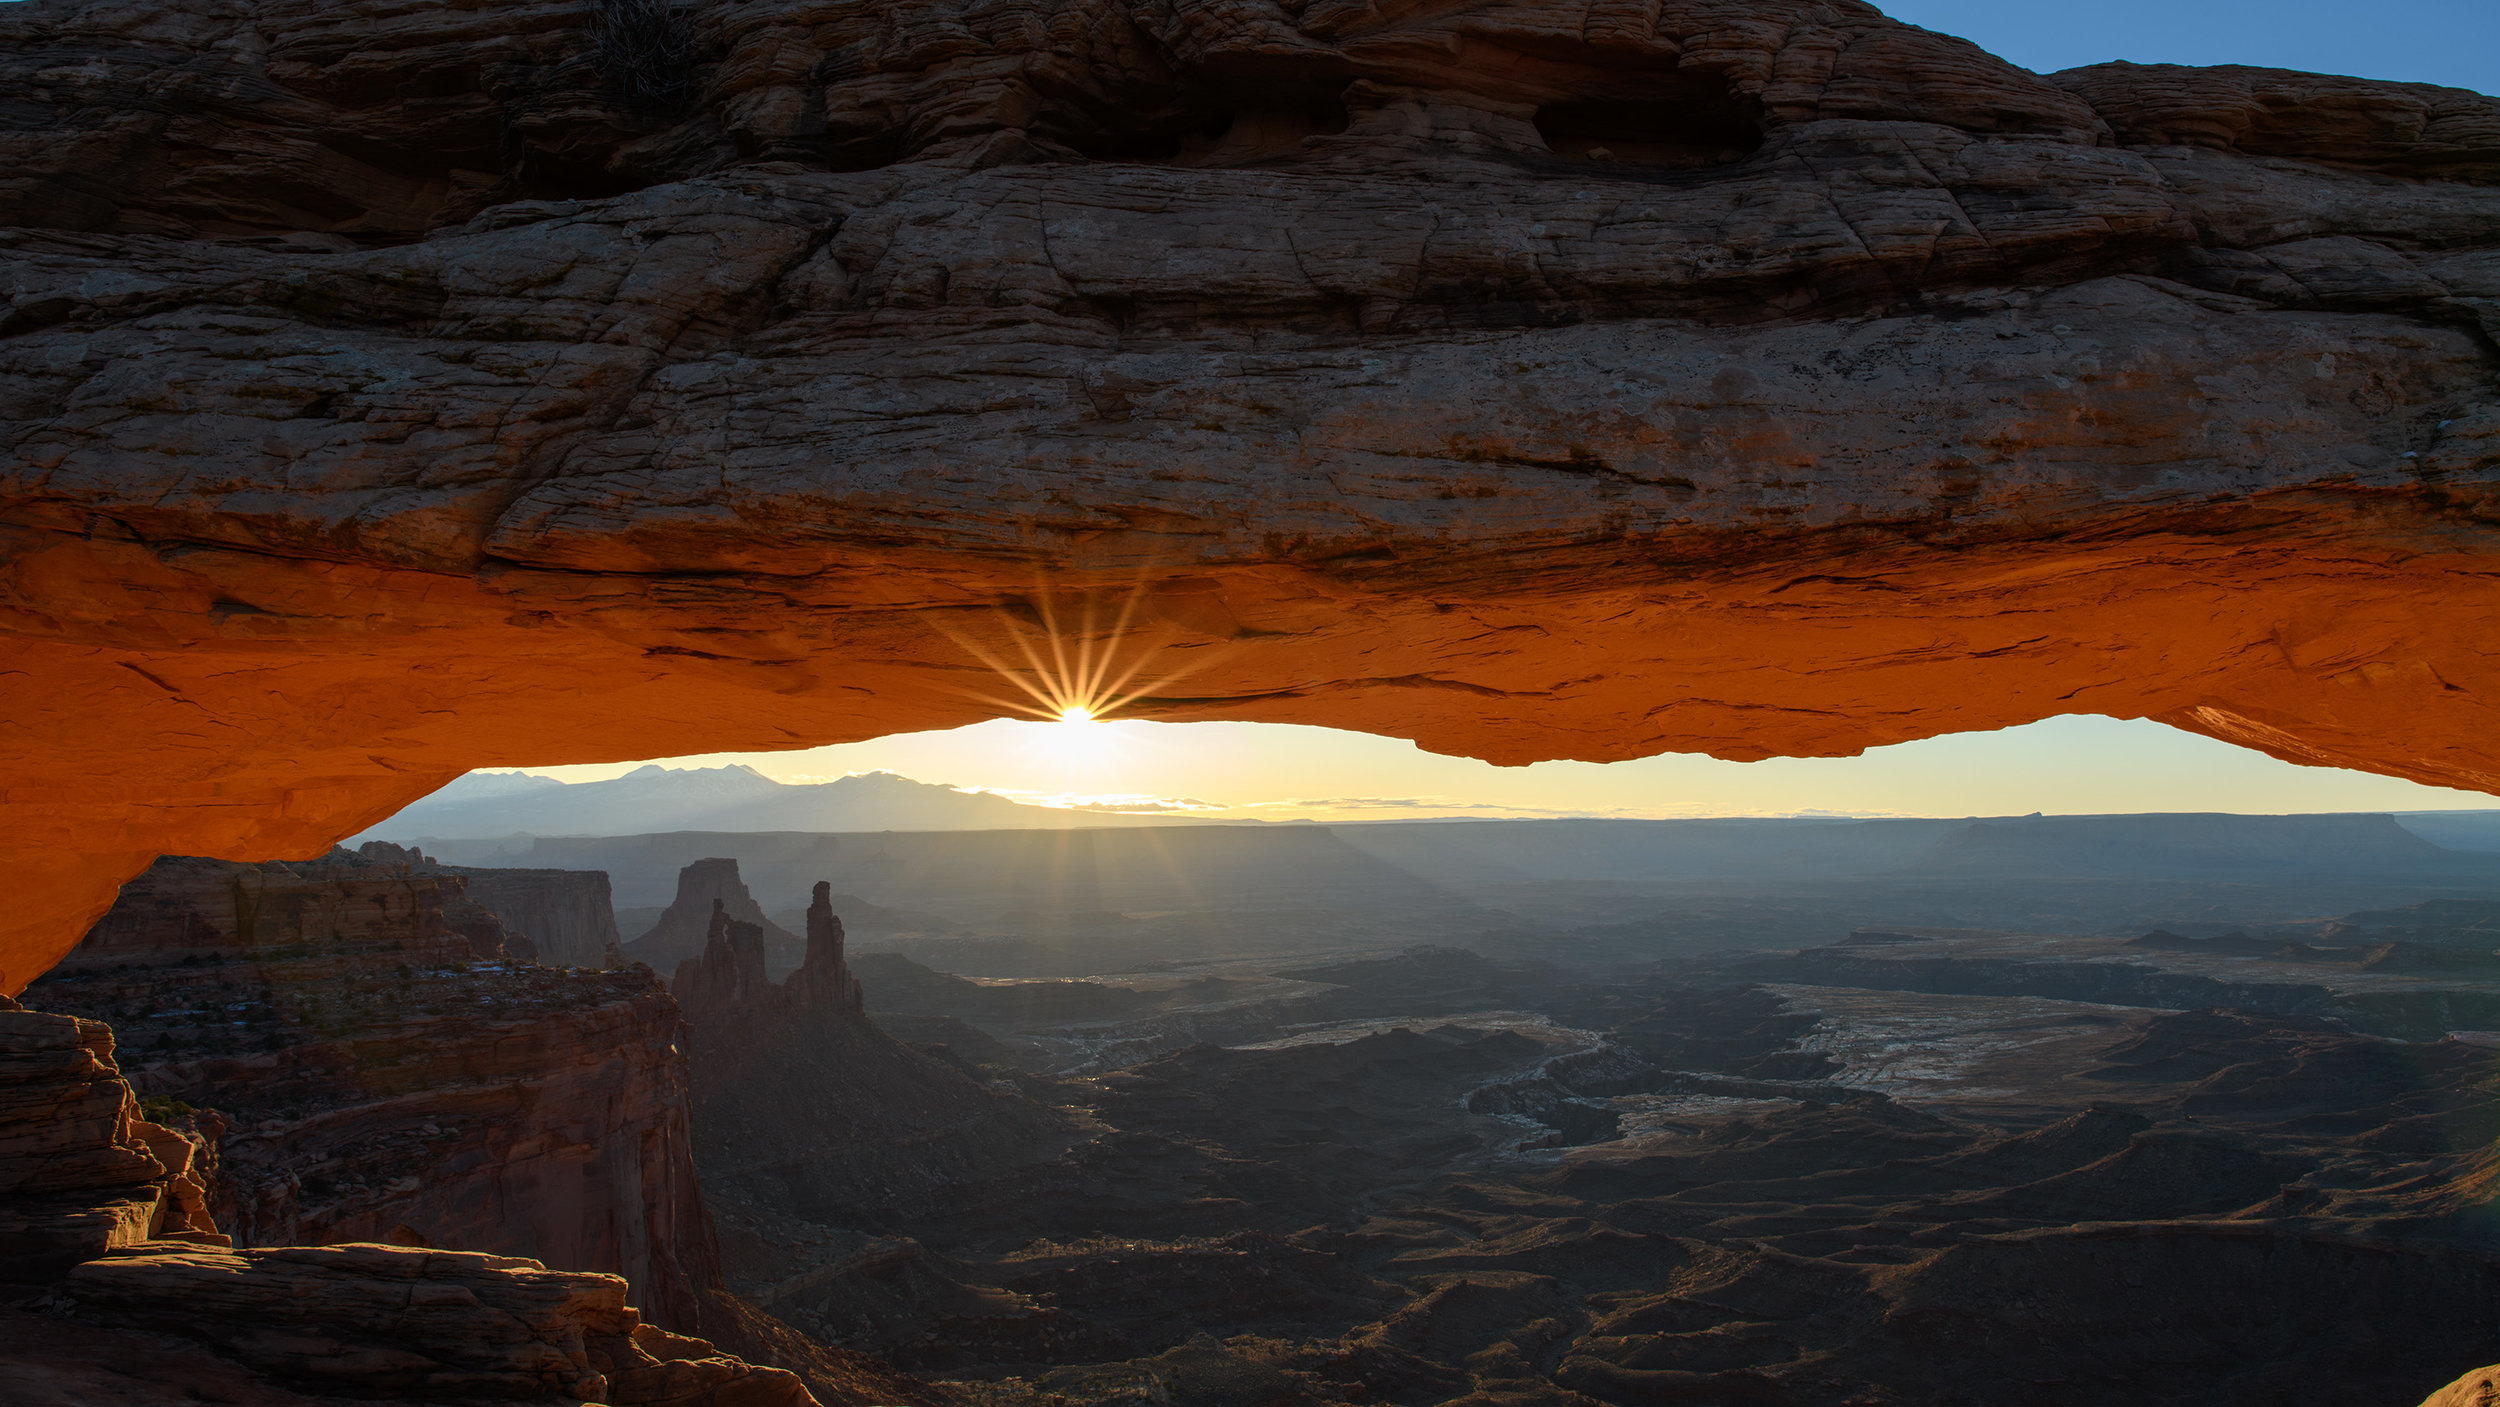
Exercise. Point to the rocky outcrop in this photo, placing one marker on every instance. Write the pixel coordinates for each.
(355, 1074)
(2398, 129)
(387, 1321)
(81, 1173)
(391, 393)
(710, 892)
(358, 1074)
(825, 980)
(188, 907)
(566, 918)
(727, 977)
(727, 982)
(2480, 1388)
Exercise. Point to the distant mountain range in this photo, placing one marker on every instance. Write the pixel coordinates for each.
(732, 798)
(654, 799)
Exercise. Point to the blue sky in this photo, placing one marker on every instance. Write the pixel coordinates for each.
(2455, 42)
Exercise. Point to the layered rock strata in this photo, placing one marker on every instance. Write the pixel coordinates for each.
(355, 1074)
(358, 1074)
(567, 917)
(81, 1172)
(372, 903)
(390, 394)
(568, 914)
(427, 1325)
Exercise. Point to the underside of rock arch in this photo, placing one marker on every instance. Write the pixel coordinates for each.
(387, 392)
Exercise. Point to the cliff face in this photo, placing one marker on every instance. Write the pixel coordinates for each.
(108, 1211)
(566, 918)
(487, 1328)
(185, 907)
(361, 1076)
(568, 915)
(1530, 381)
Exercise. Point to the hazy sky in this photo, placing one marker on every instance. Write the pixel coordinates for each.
(2062, 765)
(1272, 771)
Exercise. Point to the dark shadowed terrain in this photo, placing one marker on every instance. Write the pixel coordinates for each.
(2188, 1109)
(2171, 1109)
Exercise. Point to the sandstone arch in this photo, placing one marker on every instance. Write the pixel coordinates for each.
(385, 397)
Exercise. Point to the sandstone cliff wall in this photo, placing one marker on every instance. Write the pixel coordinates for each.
(563, 918)
(567, 914)
(111, 1214)
(109, 1210)
(361, 1075)
(184, 907)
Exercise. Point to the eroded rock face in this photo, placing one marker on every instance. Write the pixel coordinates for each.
(81, 1173)
(391, 393)
(358, 1075)
(562, 918)
(356, 910)
(729, 983)
(2479, 1388)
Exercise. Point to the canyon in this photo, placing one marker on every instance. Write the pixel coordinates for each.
(1916, 1164)
(1425, 1176)
(388, 396)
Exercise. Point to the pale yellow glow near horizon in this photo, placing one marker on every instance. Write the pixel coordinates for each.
(2074, 765)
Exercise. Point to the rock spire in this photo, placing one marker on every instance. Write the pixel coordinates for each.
(728, 982)
(728, 974)
(825, 979)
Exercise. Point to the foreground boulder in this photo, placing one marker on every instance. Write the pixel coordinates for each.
(81, 1174)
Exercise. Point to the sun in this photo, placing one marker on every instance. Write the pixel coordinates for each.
(1079, 742)
(1073, 672)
